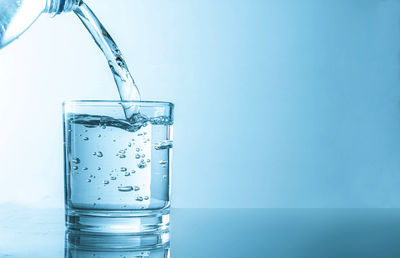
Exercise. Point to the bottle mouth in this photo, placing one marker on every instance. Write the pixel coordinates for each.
(60, 6)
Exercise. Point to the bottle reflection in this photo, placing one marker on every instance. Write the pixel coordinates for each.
(82, 245)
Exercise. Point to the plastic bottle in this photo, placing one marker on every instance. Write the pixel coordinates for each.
(16, 16)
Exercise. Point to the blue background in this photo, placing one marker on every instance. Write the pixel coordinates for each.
(278, 103)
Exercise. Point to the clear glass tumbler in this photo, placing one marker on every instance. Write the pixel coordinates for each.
(117, 170)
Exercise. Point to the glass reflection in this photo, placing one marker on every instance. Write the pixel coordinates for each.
(81, 245)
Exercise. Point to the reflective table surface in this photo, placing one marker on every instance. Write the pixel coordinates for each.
(33, 232)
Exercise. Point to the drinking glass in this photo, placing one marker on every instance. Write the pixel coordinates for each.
(117, 170)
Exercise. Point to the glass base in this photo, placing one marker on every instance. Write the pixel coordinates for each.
(80, 244)
(117, 222)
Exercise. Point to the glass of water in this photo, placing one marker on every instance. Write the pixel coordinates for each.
(117, 170)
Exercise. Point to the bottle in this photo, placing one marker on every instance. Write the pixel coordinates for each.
(16, 16)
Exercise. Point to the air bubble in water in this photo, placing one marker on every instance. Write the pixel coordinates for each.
(99, 154)
(139, 198)
(89, 180)
(164, 177)
(143, 155)
(123, 169)
(113, 178)
(99, 135)
(122, 156)
(133, 171)
(99, 198)
(105, 182)
(163, 145)
(139, 134)
(85, 168)
(141, 164)
(145, 133)
(162, 162)
(74, 167)
(137, 156)
(136, 188)
(127, 174)
(104, 126)
(137, 149)
(85, 138)
(99, 168)
(164, 166)
(146, 197)
(148, 160)
(125, 188)
(129, 144)
(76, 160)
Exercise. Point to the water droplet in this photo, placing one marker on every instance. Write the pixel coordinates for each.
(99, 154)
(162, 162)
(76, 160)
(127, 174)
(136, 188)
(105, 182)
(146, 197)
(89, 180)
(85, 168)
(143, 155)
(137, 156)
(148, 160)
(85, 138)
(122, 156)
(113, 178)
(139, 198)
(74, 167)
(123, 169)
(141, 164)
(99, 198)
(163, 145)
(125, 188)
(137, 149)
(99, 168)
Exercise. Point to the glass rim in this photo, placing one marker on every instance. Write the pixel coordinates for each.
(141, 103)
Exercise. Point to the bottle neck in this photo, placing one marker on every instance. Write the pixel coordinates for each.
(59, 6)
